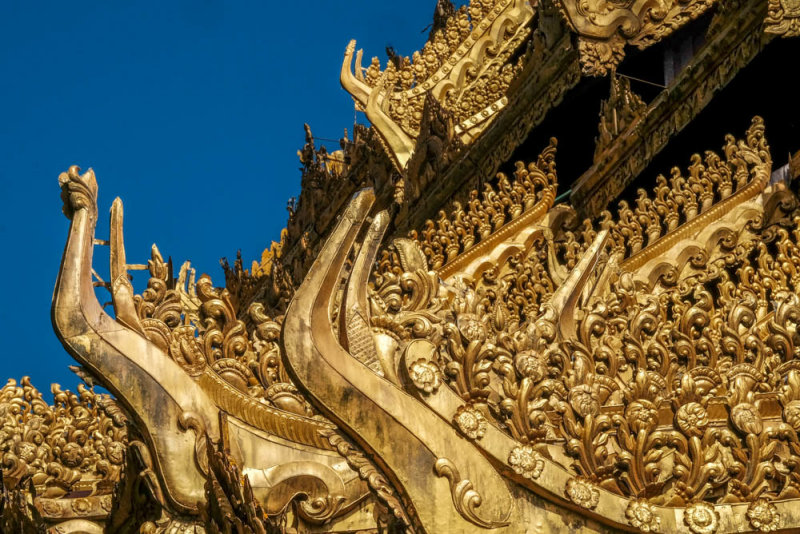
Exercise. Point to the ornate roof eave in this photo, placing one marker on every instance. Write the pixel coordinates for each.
(396, 142)
(605, 28)
(541, 87)
(733, 41)
(477, 60)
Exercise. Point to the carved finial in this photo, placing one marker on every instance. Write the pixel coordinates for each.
(78, 191)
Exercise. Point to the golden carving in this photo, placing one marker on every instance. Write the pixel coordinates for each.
(617, 114)
(701, 518)
(465, 498)
(76, 445)
(730, 47)
(467, 65)
(642, 516)
(471, 422)
(507, 366)
(468, 232)
(425, 375)
(712, 187)
(526, 462)
(367, 471)
(582, 493)
(783, 18)
(604, 28)
(213, 374)
(763, 516)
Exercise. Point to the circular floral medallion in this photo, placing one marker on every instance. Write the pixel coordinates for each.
(763, 515)
(701, 518)
(425, 375)
(470, 422)
(81, 506)
(641, 515)
(51, 508)
(583, 493)
(526, 462)
(692, 419)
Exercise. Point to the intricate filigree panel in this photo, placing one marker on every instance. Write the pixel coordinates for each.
(680, 397)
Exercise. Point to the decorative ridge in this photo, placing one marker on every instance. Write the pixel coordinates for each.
(287, 425)
(467, 65)
(704, 196)
(455, 240)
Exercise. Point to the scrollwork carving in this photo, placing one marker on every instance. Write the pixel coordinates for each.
(466, 498)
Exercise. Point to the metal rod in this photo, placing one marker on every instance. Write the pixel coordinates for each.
(562, 196)
(641, 80)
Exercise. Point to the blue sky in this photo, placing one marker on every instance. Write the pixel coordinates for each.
(190, 111)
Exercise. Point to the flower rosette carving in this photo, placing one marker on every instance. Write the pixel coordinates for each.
(763, 516)
(470, 421)
(529, 365)
(701, 518)
(642, 515)
(425, 375)
(471, 327)
(525, 461)
(583, 493)
(692, 419)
